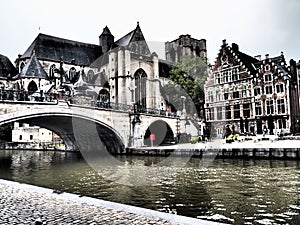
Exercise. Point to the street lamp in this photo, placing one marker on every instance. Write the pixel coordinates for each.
(183, 105)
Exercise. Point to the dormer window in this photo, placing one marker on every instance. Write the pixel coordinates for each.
(267, 68)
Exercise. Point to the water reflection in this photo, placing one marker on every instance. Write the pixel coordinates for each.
(236, 191)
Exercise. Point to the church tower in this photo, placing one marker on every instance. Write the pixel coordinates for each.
(106, 40)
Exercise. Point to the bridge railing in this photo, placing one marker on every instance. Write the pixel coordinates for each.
(12, 95)
(27, 96)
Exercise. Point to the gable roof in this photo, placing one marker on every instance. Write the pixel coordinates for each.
(7, 69)
(33, 69)
(134, 36)
(52, 48)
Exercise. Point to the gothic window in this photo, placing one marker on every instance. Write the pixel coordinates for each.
(279, 88)
(256, 91)
(228, 112)
(140, 83)
(258, 110)
(269, 89)
(236, 113)
(90, 76)
(219, 113)
(268, 77)
(32, 87)
(280, 106)
(51, 71)
(270, 106)
(72, 74)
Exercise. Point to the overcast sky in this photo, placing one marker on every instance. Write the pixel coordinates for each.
(257, 26)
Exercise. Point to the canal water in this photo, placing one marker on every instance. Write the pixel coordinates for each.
(235, 191)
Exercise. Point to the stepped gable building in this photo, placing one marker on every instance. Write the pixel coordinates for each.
(251, 93)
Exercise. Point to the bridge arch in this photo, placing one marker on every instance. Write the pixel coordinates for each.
(78, 131)
(162, 131)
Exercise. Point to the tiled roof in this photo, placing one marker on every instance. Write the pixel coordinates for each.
(33, 69)
(7, 69)
(125, 40)
(53, 48)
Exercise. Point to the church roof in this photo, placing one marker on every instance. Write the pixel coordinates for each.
(52, 48)
(33, 69)
(125, 40)
(7, 69)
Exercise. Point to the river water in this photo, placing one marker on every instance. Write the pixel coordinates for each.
(235, 191)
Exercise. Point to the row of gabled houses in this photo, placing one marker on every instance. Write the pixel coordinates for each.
(251, 93)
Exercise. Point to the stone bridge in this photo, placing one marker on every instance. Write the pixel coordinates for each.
(88, 127)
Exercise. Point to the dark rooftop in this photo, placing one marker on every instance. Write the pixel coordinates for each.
(51, 48)
(7, 69)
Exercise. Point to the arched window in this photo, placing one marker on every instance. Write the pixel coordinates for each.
(32, 87)
(51, 71)
(140, 83)
(72, 74)
(90, 76)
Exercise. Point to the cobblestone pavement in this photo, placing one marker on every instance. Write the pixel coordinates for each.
(18, 206)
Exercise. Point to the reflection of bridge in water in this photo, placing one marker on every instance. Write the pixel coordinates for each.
(79, 121)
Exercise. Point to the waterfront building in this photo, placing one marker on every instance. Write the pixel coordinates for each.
(25, 133)
(251, 93)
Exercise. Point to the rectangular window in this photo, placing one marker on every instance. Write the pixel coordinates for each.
(226, 93)
(235, 74)
(244, 91)
(225, 74)
(256, 91)
(20, 137)
(246, 110)
(280, 106)
(218, 95)
(210, 96)
(279, 88)
(228, 112)
(236, 94)
(270, 107)
(236, 111)
(269, 89)
(219, 113)
(211, 113)
(268, 78)
(217, 78)
(258, 108)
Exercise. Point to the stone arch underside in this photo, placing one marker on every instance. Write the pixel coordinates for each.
(81, 134)
(162, 131)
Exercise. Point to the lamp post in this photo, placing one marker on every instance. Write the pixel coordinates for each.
(183, 106)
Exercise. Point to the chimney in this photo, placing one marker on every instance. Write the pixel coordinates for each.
(267, 56)
(235, 47)
(224, 42)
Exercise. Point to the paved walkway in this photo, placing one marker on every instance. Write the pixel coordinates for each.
(27, 204)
